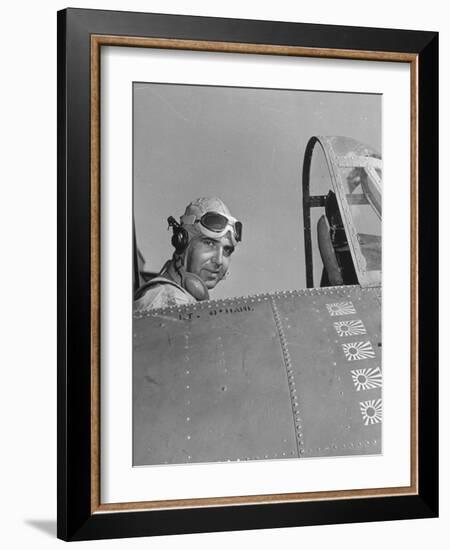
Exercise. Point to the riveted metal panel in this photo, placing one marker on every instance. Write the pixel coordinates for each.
(272, 376)
(334, 342)
(210, 385)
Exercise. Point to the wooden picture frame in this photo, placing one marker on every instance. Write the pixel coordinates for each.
(81, 35)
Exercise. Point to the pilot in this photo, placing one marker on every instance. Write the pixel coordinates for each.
(204, 241)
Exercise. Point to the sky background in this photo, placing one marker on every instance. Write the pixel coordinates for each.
(245, 146)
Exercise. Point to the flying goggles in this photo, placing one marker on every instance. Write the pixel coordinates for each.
(214, 224)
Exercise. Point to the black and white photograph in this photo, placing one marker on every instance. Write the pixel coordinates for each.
(257, 274)
(222, 278)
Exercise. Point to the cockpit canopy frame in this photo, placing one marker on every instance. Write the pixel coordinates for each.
(355, 176)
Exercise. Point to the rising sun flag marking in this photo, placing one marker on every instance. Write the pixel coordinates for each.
(371, 411)
(355, 351)
(367, 379)
(341, 308)
(349, 328)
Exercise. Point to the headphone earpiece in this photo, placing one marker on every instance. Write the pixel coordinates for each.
(180, 237)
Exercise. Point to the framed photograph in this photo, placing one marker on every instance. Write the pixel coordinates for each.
(247, 255)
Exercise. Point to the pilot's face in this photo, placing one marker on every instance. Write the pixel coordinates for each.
(209, 258)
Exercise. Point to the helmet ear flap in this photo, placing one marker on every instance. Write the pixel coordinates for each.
(195, 286)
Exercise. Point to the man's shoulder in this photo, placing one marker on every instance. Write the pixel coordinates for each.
(161, 292)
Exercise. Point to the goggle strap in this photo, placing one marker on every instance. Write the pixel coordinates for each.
(188, 220)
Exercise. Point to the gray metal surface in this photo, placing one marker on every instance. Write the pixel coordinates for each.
(274, 376)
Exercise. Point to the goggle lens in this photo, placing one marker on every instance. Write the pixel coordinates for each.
(217, 222)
